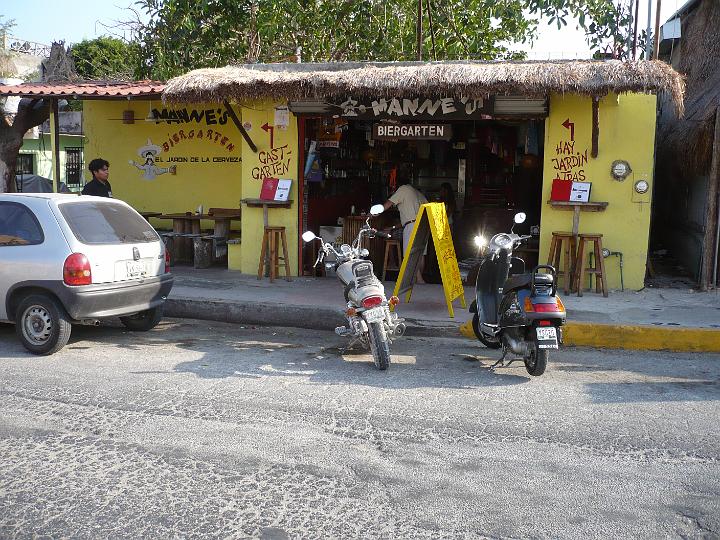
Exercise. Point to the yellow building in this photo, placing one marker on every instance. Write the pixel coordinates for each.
(500, 134)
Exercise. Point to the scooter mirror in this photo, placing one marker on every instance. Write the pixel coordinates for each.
(520, 217)
(377, 209)
(308, 236)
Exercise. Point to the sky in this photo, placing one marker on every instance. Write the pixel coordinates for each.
(45, 21)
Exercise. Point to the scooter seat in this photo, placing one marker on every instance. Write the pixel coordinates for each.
(523, 280)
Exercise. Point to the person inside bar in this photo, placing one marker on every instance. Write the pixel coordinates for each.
(407, 199)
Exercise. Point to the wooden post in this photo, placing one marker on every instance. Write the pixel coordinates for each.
(55, 143)
(711, 216)
(419, 29)
(656, 49)
(595, 126)
(238, 124)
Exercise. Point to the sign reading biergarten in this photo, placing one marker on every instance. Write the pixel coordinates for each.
(438, 132)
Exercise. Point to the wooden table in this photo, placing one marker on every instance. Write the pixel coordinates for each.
(262, 203)
(189, 223)
(577, 207)
(148, 215)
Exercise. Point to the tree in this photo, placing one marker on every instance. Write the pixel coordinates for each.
(187, 34)
(30, 113)
(105, 58)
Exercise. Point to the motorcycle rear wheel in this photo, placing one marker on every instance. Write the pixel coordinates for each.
(480, 335)
(379, 346)
(536, 363)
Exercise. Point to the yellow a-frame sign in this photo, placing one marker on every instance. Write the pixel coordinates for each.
(432, 219)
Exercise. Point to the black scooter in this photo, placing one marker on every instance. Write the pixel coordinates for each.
(515, 310)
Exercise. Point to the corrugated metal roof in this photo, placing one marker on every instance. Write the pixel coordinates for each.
(85, 90)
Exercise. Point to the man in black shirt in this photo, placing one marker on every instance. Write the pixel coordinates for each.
(99, 185)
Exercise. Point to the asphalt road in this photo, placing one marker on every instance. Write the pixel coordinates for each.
(201, 429)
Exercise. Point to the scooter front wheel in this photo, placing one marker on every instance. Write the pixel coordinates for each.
(379, 345)
(536, 362)
(481, 337)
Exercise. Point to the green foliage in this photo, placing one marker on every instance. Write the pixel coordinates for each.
(189, 34)
(106, 58)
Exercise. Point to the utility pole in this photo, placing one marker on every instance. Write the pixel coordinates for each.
(637, 17)
(657, 31)
(419, 29)
(648, 43)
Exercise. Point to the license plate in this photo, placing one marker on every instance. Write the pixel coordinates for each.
(374, 314)
(547, 338)
(135, 268)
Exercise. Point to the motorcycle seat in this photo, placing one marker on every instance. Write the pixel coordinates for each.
(520, 281)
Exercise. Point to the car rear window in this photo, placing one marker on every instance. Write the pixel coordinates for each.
(100, 222)
(18, 225)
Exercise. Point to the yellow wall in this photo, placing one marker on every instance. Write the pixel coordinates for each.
(280, 161)
(627, 131)
(214, 171)
(203, 175)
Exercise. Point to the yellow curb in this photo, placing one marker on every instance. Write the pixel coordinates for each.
(639, 337)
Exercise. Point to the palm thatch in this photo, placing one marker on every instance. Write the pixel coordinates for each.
(687, 142)
(407, 79)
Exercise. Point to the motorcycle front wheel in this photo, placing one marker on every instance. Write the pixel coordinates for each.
(536, 363)
(379, 345)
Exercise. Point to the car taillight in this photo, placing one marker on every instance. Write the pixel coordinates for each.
(372, 301)
(76, 270)
(167, 261)
(544, 323)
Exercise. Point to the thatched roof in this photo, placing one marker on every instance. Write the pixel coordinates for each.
(687, 142)
(406, 79)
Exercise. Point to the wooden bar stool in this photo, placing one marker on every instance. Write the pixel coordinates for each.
(392, 245)
(598, 269)
(563, 243)
(273, 238)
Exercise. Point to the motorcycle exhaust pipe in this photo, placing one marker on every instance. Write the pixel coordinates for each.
(517, 346)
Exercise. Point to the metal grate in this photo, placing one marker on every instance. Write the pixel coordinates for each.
(73, 166)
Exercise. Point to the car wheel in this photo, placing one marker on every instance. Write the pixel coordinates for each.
(42, 324)
(143, 321)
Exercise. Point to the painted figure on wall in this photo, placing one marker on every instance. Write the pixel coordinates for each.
(149, 152)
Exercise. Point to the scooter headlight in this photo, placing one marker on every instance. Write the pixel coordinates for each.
(480, 241)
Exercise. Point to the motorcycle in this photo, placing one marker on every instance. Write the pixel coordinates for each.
(370, 321)
(516, 310)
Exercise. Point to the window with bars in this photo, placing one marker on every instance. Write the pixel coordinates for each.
(73, 166)
(25, 164)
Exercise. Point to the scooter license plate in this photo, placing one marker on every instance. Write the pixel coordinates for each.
(374, 314)
(547, 338)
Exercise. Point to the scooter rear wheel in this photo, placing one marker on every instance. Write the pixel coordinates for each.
(536, 363)
(481, 337)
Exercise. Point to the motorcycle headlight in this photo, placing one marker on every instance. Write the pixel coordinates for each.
(502, 240)
(480, 241)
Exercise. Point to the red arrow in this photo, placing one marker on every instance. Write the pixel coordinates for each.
(271, 129)
(567, 124)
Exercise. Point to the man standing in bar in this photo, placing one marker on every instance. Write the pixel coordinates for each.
(408, 201)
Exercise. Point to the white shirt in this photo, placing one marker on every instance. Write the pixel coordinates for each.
(408, 201)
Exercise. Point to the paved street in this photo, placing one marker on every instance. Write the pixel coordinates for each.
(201, 429)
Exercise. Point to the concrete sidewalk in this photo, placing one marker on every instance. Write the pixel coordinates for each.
(652, 319)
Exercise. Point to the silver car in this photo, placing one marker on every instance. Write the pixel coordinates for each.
(66, 260)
